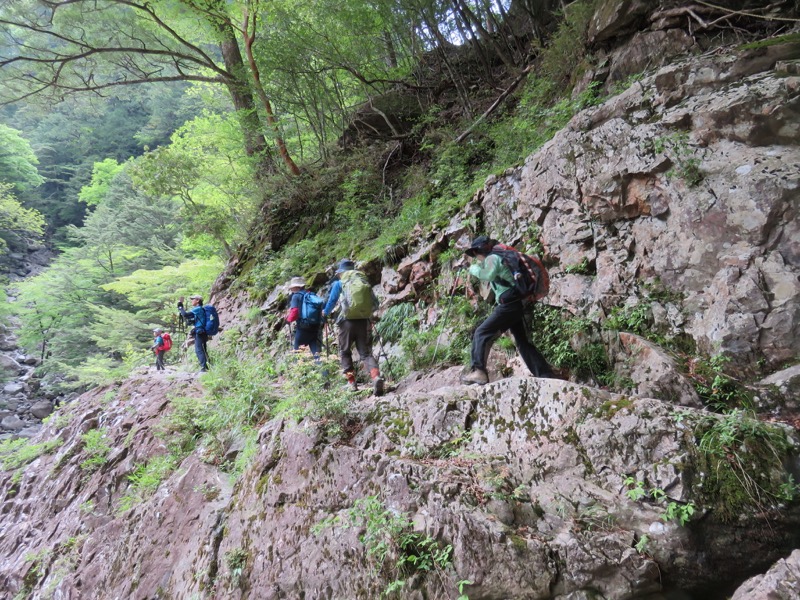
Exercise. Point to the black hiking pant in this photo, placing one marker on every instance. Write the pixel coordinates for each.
(505, 317)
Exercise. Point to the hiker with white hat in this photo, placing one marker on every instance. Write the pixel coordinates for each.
(305, 309)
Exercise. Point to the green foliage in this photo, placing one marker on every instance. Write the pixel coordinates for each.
(103, 173)
(206, 173)
(787, 38)
(567, 341)
(676, 147)
(537, 119)
(395, 321)
(673, 511)
(16, 221)
(446, 341)
(99, 300)
(394, 549)
(96, 448)
(582, 268)
(239, 398)
(718, 390)
(17, 161)
(145, 479)
(154, 293)
(17, 453)
(315, 391)
(635, 318)
(739, 461)
(563, 58)
(641, 544)
(236, 560)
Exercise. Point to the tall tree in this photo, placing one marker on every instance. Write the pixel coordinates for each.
(17, 161)
(16, 221)
(62, 47)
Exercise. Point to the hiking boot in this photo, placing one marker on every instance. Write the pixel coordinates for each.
(377, 382)
(476, 376)
(351, 381)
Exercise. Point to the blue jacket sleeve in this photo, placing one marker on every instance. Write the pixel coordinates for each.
(336, 290)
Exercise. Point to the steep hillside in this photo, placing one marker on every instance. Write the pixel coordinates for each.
(667, 214)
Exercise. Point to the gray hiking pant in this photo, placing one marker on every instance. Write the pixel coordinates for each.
(355, 332)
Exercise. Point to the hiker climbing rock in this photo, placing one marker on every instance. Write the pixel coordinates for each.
(305, 309)
(161, 343)
(490, 263)
(357, 305)
(197, 318)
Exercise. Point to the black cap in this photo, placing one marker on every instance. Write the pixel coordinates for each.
(480, 245)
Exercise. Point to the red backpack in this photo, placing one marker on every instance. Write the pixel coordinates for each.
(167, 342)
(531, 280)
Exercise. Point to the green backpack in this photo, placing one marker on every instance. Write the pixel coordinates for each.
(358, 301)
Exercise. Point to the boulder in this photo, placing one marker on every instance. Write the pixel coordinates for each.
(30, 431)
(653, 373)
(614, 17)
(9, 367)
(41, 409)
(12, 422)
(787, 383)
(13, 388)
(781, 581)
(8, 343)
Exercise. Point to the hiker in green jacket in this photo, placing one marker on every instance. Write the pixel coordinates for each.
(508, 315)
(354, 321)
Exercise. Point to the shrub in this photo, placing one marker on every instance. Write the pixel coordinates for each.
(96, 447)
(314, 390)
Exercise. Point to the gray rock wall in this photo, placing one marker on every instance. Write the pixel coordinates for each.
(689, 178)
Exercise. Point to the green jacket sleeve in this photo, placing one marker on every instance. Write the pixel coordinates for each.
(495, 272)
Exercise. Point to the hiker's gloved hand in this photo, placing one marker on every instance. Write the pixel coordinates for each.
(180, 304)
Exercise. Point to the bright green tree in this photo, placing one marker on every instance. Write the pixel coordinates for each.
(16, 221)
(17, 161)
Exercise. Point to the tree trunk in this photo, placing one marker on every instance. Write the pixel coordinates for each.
(242, 96)
(262, 95)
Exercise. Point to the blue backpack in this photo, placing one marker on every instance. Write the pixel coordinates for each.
(211, 326)
(311, 310)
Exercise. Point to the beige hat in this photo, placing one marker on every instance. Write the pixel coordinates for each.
(196, 297)
(297, 282)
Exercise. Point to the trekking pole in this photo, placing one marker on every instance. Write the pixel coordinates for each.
(327, 345)
(446, 314)
(382, 352)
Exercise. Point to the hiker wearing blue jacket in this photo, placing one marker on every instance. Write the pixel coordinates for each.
(196, 317)
(304, 334)
(353, 289)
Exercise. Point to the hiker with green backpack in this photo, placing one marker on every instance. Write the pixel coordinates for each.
(357, 305)
(305, 309)
(514, 277)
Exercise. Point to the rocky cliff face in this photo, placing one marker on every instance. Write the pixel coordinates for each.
(525, 478)
(689, 178)
(543, 488)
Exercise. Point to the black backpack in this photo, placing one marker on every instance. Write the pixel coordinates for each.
(531, 280)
